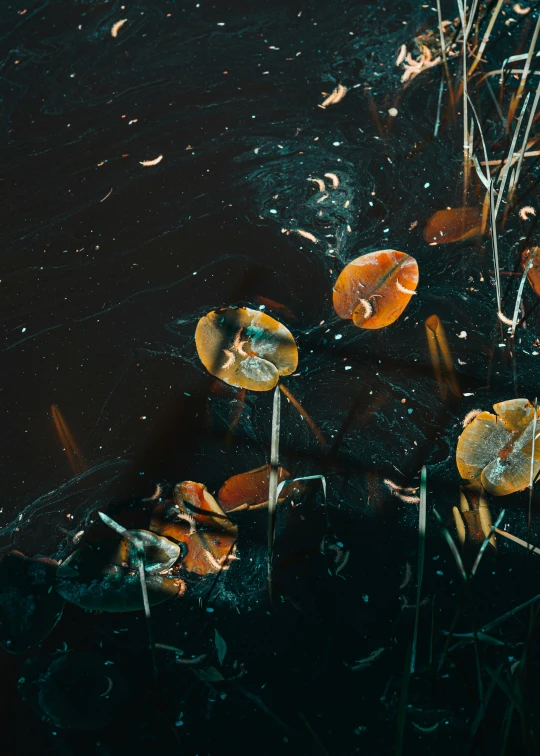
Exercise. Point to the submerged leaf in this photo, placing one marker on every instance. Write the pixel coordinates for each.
(453, 225)
(29, 608)
(249, 490)
(75, 690)
(497, 449)
(159, 553)
(245, 348)
(221, 646)
(374, 289)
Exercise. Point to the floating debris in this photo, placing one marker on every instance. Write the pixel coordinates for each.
(151, 162)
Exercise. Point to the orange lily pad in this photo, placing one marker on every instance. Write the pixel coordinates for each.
(453, 225)
(206, 551)
(245, 348)
(249, 490)
(496, 449)
(374, 289)
(533, 274)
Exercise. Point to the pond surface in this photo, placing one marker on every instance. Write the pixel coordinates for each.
(180, 162)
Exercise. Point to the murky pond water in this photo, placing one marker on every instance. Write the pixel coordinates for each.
(163, 161)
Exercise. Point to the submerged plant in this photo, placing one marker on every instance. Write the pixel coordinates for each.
(500, 451)
(245, 348)
(374, 289)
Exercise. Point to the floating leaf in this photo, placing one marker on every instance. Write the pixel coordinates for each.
(533, 274)
(75, 690)
(496, 449)
(453, 225)
(206, 551)
(249, 490)
(92, 578)
(221, 646)
(374, 289)
(245, 348)
(29, 608)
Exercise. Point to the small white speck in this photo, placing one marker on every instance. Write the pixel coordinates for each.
(23, 330)
(392, 112)
(471, 393)
(426, 185)
(336, 144)
(501, 345)
(338, 336)
(462, 335)
(348, 367)
(274, 212)
(386, 230)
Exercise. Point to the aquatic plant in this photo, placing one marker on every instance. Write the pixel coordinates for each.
(245, 348)
(500, 450)
(374, 289)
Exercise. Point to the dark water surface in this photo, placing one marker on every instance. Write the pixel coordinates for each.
(107, 266)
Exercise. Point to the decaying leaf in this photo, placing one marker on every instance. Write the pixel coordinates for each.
(374, 289)
(245, 348)
(496, 449)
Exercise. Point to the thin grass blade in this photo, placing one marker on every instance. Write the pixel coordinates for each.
(422, 517)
